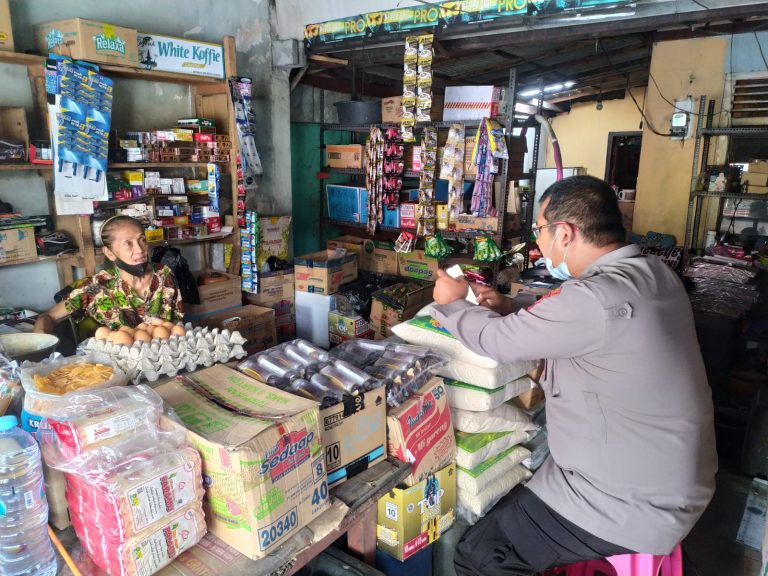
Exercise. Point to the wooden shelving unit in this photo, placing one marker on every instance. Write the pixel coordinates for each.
(211, 99)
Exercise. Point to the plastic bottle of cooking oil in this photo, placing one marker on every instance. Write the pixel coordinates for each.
(25, 548)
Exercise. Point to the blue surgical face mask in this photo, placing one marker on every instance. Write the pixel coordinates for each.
(560, 272)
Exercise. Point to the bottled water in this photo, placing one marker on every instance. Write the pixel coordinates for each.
(25, 548)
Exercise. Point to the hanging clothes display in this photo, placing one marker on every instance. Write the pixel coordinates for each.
(490, 146)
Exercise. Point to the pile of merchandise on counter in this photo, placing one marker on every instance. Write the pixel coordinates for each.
(134, 491)
(719, 287)
(490, 426)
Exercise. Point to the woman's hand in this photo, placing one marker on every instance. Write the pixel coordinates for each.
(492, 299)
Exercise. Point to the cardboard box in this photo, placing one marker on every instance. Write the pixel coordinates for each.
(255, 323)
(372, 255)
(323, 272)
(471, 102)
(529, 398)
(410, 519)
(416, 265)
(384, 315)
(6, 30)
(274, 239)
(17, 244)
(264, 478)
(391, 217)
(312, 317)
(392, 109)
(156, 235)
(757, 189)
(754, 178)
(83, 39)
(463, 222)
(354, 326)
(344, 155)
(354, 435)
(419, 431)
(758, 166)
(217, 296)
(347, 203)
(336, 339)
(276, 291)
(180, 55)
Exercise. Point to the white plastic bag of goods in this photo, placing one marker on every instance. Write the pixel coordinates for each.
(474, 449)
(483, 477)
(478, 399)
(486, 377)
(426, 331)
(504, 418)
(471, 507)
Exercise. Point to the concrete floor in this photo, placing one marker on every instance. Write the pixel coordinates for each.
(711, 548)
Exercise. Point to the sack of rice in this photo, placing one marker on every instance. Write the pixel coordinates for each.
(477, 494)
(503, 418)
(474, 449)
(478, 399)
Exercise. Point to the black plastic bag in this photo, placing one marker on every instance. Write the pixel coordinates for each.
(186, 282)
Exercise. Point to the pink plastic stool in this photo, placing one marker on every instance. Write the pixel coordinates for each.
(626, 565)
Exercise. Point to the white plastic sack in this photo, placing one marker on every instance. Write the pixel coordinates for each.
(486, 377)
(471, 507)
(478, 399)
(474, 449)
(426, 331)
(503, 418)
(483, 477)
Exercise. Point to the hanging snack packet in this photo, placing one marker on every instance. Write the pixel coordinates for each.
(436, 247)
(486, 249)
(405, 243)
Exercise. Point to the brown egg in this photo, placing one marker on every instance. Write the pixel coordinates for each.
(179, 331)
(122, 338)
(102, 333)
(142, 326)
(157, 321)
(142, 336)
(161, 332)
(127, 330)
(110, 336)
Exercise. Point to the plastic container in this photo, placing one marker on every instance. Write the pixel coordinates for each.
(25, 548)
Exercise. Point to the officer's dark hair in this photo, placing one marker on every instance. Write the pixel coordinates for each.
(589, 204)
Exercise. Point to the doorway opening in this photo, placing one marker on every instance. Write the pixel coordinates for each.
(623, 161)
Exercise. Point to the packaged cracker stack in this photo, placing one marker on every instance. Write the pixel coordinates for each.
(490, 427)
(134, 491)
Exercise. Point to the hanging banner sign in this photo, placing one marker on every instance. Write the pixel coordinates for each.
(444, 14)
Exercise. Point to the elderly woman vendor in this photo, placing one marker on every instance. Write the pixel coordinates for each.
(132, 292)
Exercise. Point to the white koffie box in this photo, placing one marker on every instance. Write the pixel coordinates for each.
(263, 457)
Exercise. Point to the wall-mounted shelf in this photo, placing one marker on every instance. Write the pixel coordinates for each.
(367, 127)
(139, 165)
(25, 167)
(116, 71)
(444, 233)
(37, 259)
(361, 172)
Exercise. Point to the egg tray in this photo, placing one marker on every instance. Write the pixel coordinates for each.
(201, 347)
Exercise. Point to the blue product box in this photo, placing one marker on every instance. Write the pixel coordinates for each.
(347, 203)
(391, 218)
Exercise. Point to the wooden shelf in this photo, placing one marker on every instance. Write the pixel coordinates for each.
(407, 174)
(39, 259)
(444, 233)
(115, 71)
(209, 238)
(25, 167)
(138, 165)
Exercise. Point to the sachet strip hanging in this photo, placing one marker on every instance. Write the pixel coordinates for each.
(452, 169)
(374, 176)
(417, 84)
(486, 249)
(394, 168)
(490, 145)
(425, 209)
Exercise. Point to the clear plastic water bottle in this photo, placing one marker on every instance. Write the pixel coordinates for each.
(25, 547)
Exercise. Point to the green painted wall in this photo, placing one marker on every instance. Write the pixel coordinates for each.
(309, 229)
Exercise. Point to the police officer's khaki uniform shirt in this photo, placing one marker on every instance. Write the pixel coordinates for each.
(629, 412)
